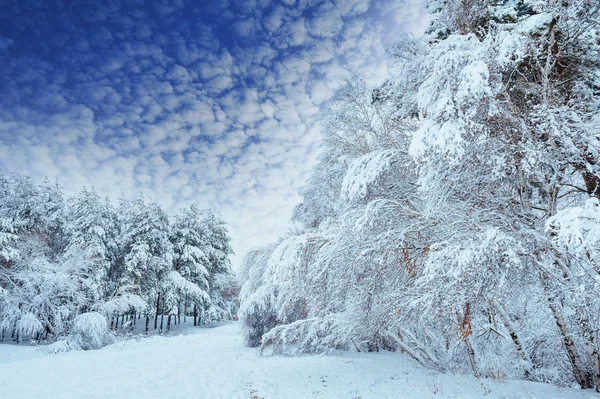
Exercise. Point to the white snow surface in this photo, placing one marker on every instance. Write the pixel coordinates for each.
(213, 363)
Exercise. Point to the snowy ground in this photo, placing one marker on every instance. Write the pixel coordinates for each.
(213, 363)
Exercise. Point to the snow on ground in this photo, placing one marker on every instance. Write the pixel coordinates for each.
(213, 363)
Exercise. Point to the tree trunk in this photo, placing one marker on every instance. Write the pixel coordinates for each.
(513, 334)
(466, 330)
(169, 323)
(590, 335)
(195, 315)
(596, 366)
(591, 180)
(580, 372)
(471, 354)
(157, 309)
(162, 315)
(582, 376)
(594, 359)
(147, 325)
(185, 304)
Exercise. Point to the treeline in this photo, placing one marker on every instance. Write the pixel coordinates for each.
(454, 212)
(64, 257)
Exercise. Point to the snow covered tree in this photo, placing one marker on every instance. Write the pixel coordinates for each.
(452, 208)
(68, 265)
(92, 241)
(218, 250)
(147, 254)
(190, 275)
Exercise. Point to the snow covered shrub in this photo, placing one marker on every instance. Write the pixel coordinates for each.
(257, 317)
(312, 335)
(256, 310)
(29, 325)
(90, 331)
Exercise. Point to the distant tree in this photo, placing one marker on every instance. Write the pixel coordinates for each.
(148, 254)
(190, 276)
(218, 249)
(92, 241)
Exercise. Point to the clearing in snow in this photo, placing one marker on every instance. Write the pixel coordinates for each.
(213, 363)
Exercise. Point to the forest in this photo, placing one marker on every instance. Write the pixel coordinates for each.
(71, 268)
(452, 216)
(454, 212)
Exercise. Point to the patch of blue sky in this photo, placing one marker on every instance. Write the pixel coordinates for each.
(207, 102)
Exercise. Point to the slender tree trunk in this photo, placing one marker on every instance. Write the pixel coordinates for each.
(513, 334)
(122, 320)
(116, 322)
(179, 311)
(596, 366)
(582, 376)
(17, 338)
(162, 315)
(471, 354)
(466, 330)
(157, 306)
(195, 315)
(185, 305)
(169, 323)
(590, 337)
(594, 358)
(147, 325)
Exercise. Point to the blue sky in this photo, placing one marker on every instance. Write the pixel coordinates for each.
(205, 102)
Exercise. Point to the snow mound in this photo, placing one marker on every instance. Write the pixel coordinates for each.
(89, 331)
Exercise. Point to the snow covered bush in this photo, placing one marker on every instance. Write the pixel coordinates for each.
(256, 312)
(29, 324)
(90, 331)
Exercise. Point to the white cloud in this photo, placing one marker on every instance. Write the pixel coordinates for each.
(327, 23)
(178, 73)
(274, 19)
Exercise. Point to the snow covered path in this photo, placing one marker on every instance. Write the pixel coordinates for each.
(213, 363)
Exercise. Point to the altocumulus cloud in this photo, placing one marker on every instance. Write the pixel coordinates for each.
(205, 102)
